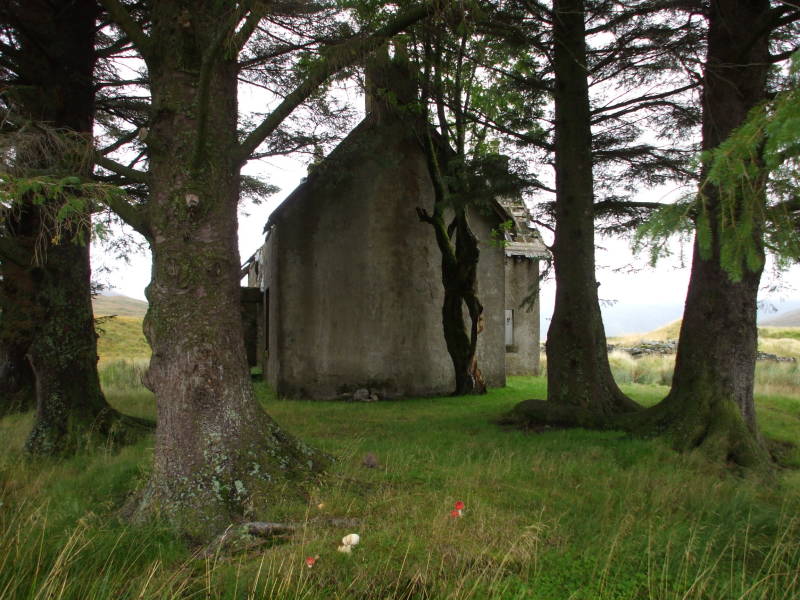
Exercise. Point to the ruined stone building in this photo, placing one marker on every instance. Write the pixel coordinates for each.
(346, 293)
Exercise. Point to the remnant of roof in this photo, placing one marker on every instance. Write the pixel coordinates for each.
(523, 239)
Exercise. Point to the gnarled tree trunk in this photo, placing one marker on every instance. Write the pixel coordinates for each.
(458, 246)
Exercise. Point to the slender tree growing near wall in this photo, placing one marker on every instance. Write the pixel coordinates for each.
(447, 81)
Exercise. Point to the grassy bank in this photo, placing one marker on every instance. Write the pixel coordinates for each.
(551, 516)
(121, 338)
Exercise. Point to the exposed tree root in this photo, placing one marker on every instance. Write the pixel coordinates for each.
(711, 425)
(533, 414)
(714, 427)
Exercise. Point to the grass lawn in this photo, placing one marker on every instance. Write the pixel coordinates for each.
(553, 516)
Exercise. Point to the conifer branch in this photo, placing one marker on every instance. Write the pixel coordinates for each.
(333, 60)
(130, 27)
(133, 175)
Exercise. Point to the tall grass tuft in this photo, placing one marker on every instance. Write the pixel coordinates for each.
(123, 374)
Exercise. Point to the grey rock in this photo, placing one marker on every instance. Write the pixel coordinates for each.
(362, 395)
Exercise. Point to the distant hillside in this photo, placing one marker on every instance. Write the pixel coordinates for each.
(121, 338)
(624, 319)
(787, 319)
(119, 305)
(772, 340)
(666, 332)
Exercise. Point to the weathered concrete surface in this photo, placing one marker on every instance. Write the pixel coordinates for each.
(251, 307)
(492, 294)
(355, 292)
(521, 276)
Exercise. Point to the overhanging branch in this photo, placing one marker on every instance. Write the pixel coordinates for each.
(132, 175)
(333, 60)
(129, 26)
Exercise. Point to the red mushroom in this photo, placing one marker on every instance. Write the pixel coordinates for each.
(310, 560)
(459, 505)
(454, 514)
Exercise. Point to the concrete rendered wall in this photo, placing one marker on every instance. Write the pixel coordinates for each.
(355, 283)
(491, 292)
(356, 295)
(522, 357)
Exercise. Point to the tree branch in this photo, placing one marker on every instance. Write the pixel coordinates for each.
(130, 27)
(646, 98)
(210, 56)
(132, 175)
(119, 142)
(132, 214)
(250, 24)
(333, 60)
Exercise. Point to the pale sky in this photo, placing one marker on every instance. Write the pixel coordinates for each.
(665, 285)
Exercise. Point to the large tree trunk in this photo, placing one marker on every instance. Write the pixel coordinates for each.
(578, 373)
(71, 410)
(55, 89)
(710, 404)
(218, 457)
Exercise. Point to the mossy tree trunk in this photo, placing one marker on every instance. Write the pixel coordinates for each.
(17, 382)
(578, 373)
(710, 404)
(55, 87)
(218, 457)
(71, 410)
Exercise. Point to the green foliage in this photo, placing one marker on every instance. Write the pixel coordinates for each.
(498, 235)
(65, 205)
(748, 199)
(656, 233)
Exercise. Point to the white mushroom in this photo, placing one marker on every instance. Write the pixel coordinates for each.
(351, 539)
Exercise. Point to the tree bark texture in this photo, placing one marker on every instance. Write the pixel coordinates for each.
(578, 372)
(17, 382)
(711, 404)
(55, 88)
(218, 457)
(71, 410)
